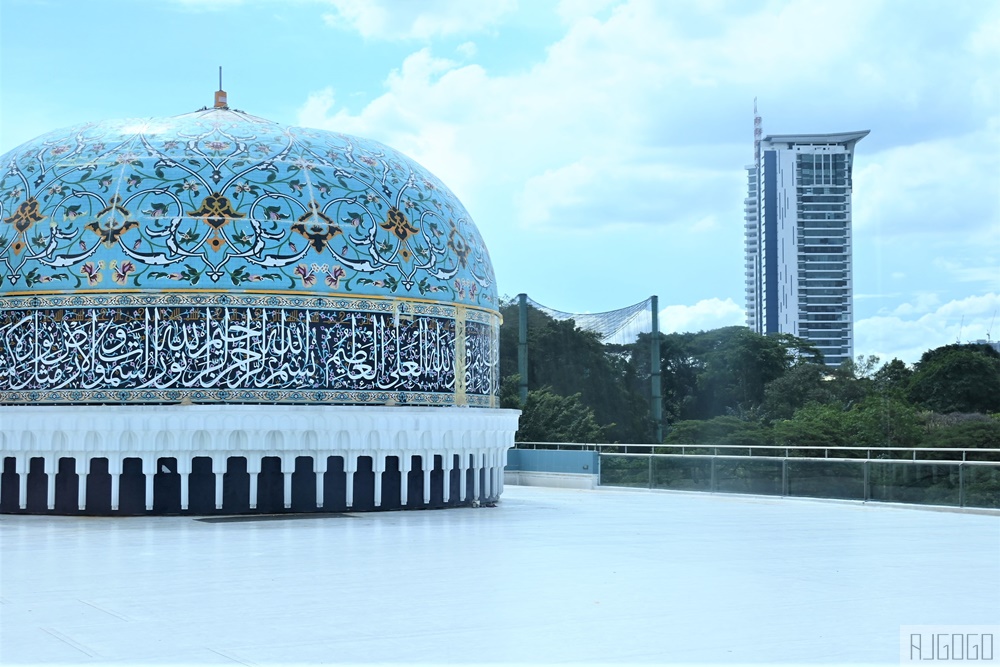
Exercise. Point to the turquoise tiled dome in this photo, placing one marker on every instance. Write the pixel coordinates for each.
(218, 200)
(217, 256)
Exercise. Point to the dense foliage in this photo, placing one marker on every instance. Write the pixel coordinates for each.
(733, 386)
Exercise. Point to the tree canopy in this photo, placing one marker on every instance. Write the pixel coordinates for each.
(733, 386)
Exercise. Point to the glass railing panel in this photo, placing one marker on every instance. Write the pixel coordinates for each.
(631, 471)
(761, 477)
(982, 486)
(826, 479)
(682, 473)
(920, 483)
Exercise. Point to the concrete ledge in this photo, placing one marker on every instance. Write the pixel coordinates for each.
(557, 480)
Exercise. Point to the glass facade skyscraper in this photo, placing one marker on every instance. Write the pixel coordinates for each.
(797, 227)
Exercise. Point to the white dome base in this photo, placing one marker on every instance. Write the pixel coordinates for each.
(396, 457)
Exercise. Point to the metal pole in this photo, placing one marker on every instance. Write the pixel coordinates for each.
(961, 484)
(655, 398)
(868, 480)
(522, 347)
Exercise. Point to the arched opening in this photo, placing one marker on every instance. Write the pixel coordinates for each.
(166, 487)
(37, 485)
(392, 482)
(415, 483)
(437, 482)
(132, 488)
(270, 486)
(304, 485)
(236, 486)
(335, 485)
(364, 485)
(455, 498)
(98, 487)
(201, 486)
(67, 487)
(10, 484)
(470, 477)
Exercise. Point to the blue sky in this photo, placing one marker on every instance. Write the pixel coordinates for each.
(598, 144)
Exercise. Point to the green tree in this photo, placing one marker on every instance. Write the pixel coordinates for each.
(893, 377)
(734, 365)
(851, 382)
(799, 386)
(958, 378)
(884, 421)
(983, 433)
(571, 361)
(815, 425)
(725, 430)
(549, 417)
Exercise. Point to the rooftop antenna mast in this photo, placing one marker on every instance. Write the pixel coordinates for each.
(758, 132)
(221, 101)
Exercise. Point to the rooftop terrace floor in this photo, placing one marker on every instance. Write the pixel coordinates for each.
(547, 576)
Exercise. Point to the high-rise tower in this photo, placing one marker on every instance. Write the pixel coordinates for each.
(798, 240)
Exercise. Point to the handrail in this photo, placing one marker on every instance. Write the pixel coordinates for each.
(788, 457)
(623, 448)
(734, 457)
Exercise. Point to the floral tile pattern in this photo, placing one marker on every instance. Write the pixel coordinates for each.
(221, 200)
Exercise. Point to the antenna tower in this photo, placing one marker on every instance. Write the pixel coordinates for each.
(758, 133)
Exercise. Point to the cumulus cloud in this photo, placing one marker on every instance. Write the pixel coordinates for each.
(612, 99)
(702, 316)
(208, 5)
(906, 334)
(405, 19)
(616, 156)
(931, 188)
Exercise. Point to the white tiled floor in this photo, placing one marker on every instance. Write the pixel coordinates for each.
(548, 576)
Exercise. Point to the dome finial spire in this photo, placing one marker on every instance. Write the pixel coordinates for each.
(221, 101)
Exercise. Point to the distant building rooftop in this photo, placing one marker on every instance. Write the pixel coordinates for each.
(829, 138)
(568, 576)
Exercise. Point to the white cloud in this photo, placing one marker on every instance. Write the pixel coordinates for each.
(572, 10)
(925, 302)
(988, 274)
(619, 150)
(405, 19)
(601, 194)
(612, 102)
(466, 49)
(208, 5)
(896, 335)
(702, 316)
(931, 187)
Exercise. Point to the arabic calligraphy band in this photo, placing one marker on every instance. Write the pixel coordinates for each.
(55, 355)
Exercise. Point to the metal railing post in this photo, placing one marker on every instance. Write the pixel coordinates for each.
(868, 479)
(711, 484)
(784, 477)
(961, 484)
(650, 472)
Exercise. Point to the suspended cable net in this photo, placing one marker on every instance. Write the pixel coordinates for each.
(618, 327)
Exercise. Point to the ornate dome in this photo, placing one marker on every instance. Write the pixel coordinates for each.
(217, 256)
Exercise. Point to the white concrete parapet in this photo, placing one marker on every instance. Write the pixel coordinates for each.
(478, 436)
